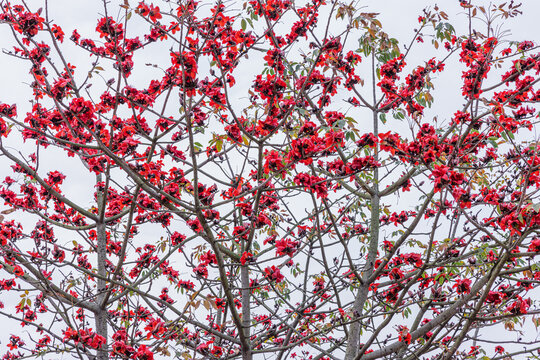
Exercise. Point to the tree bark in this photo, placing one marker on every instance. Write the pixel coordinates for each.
(101, 312)
(246, 312)
(361, 297)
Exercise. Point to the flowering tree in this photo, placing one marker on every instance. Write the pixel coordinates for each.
(262, 190)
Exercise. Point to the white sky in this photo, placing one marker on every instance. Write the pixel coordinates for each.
(398, 17)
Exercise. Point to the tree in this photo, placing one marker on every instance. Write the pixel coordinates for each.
(260, 190)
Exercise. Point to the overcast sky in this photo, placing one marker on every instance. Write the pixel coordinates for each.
(399, 18)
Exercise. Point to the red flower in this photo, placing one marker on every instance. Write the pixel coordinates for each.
(220, 303)
(246, 258)
(404, 334)
(519, 306)
(273, 274)
(463, 286)
(208, 258)
(18, 271)
(195, 225)
(186, 284)
(201, 270)
(535, 245)
(494, 297)
(57, 32)
(14, 342)
(286, 247)
(151, 11)
(29, 23)
(143, 353)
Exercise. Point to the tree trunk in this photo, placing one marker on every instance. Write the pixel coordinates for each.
(246, 312)
(361, 297)
(101, 313)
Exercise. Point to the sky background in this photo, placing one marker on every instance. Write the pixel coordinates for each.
(398, 18)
